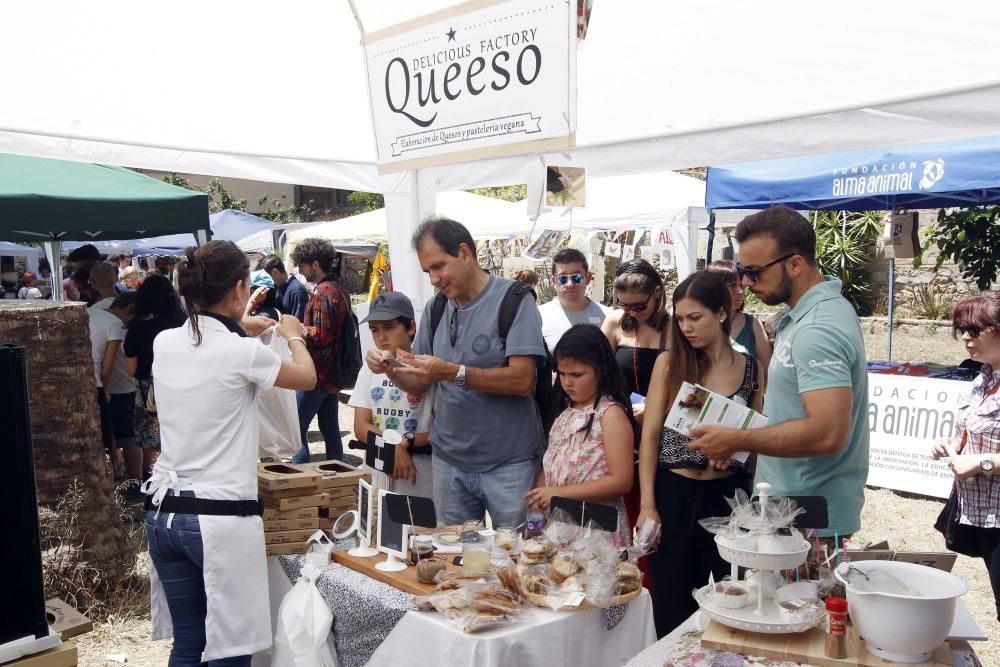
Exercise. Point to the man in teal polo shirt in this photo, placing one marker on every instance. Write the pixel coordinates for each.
(816, 443)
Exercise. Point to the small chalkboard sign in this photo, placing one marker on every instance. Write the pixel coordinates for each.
(412, 510)
(815, 515)
(585, 513)
(379, 454)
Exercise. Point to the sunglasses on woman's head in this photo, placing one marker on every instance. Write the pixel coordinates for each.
(576, 279)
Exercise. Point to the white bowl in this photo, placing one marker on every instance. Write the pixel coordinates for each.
(904, 628)
(755, 560)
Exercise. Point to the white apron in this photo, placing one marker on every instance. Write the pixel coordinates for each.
(238, 621)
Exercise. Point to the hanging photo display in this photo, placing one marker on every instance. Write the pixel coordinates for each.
(565, 186)
(546, 244)
(612, 249)
(628, 253)
(646, 253)
(665, 253)
(474, 81)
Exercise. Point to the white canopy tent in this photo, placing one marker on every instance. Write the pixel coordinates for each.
(660, 86)
(30, 254)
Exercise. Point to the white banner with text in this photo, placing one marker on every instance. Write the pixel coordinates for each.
(482, 79)
(906, 415)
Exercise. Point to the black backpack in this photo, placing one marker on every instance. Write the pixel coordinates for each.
(505, 320)
(345, 365)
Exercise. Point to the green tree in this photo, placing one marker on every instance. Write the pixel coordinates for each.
(511, 193)
(845, 244)
(365, 201)
(220, 199)
(969, 237)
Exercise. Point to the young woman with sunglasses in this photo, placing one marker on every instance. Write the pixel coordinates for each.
(746, 331)
(677, 485)
(974, 453)
(638, 330)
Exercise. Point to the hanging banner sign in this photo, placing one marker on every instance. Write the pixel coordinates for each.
(660, 235)
(906, 416)
(487, 78)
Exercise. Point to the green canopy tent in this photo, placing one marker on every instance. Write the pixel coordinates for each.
(50, 201)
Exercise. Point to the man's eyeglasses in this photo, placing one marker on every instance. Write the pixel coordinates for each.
(972, 331)
(636, 307)
(753, 274)
(576, 279)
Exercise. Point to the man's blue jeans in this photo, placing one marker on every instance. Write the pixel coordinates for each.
(177, 555)
(460, 496)
(319, 403)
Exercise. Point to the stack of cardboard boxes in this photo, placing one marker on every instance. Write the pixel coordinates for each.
(68, 622)
(292, 498)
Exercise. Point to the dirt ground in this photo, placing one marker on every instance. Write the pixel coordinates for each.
(905, 521)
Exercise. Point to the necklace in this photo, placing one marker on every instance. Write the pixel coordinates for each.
(635, 363)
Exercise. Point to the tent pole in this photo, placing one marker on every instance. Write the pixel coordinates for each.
(52, 254)
(711, 238)
(892, 284)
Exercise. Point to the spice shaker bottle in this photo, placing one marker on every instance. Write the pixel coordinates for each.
(836, 627)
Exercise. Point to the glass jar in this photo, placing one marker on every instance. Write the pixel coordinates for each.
(506, 539)
(422, 548)
(475, 559)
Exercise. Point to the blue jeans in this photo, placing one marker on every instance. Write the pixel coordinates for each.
(460, 496)
(319, 403)
(177, 555)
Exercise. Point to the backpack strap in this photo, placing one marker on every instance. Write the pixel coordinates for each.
(437, 312)
(509, 306)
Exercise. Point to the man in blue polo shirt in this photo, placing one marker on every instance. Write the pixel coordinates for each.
(816, 443)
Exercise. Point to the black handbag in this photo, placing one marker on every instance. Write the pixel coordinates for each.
(958, 537)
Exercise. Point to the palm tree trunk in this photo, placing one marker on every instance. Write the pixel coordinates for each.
(65, 427)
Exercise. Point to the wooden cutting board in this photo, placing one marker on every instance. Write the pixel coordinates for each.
(404, 580)
(806, 647)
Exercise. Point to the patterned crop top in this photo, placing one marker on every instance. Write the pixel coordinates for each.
(674, 452)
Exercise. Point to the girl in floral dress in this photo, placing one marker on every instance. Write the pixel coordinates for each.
(591, 442)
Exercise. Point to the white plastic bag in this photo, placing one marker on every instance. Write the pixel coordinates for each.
(304, 624)
(279, 415)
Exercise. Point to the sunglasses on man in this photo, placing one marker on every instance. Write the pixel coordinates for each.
(575, 278)
(752, 273)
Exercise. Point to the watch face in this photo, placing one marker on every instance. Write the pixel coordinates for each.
(987, 465)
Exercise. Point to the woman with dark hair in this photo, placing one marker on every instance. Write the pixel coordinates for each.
(677, 486)
(746, 331)
(203, 523)
(157, 309)
(589, 456)
(638, 330)
(974, 453)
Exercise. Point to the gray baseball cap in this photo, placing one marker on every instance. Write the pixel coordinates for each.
(389, 306)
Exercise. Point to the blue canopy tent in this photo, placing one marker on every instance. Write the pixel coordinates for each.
(952, 174)
(226, 225)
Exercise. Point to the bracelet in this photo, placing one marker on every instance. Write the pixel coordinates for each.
(298, 338)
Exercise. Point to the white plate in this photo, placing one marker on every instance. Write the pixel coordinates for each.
(755, 560)
(746, 619)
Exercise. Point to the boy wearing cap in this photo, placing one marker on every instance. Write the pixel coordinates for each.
(379, 404)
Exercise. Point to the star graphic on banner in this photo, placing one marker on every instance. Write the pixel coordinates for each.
(451, 34)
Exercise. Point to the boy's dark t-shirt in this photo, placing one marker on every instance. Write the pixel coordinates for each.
(139, 342)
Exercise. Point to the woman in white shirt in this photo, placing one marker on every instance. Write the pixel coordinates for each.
(206, 541)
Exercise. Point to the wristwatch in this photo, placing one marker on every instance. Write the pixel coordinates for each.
(459, 379)
(986, 465)
(410, 439)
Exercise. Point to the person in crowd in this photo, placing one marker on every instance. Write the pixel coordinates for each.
(143, 268)
(487, 431)
(677, 485)
(816, 443)
(771, 327)
(78, 288)
(571, 277)
(120, 389)
(292, 294)
(379, 404)
(29, 287)
(974, 453)
(264, 300)
(747, 332)
(106, 335)
(589, 455)
(206, 538)
(329, 304)
(124, 261)
(129, 277)
(638, 331)
(528, 277)
(157, 309)
(45, 278)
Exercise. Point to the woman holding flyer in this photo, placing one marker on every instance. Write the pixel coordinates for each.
(677, 486)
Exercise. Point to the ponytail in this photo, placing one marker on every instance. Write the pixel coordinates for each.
(206, 274)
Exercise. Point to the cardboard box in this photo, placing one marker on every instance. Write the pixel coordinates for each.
(290, 515)
(291, 524)
(289, 493)
(342, 502)
(289, 536)
(64, 655)
(275, 476)
(286, 549)
(283, 504)
(66, 620)
(336, 474)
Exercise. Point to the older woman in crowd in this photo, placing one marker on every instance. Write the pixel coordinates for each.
(974, 453)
